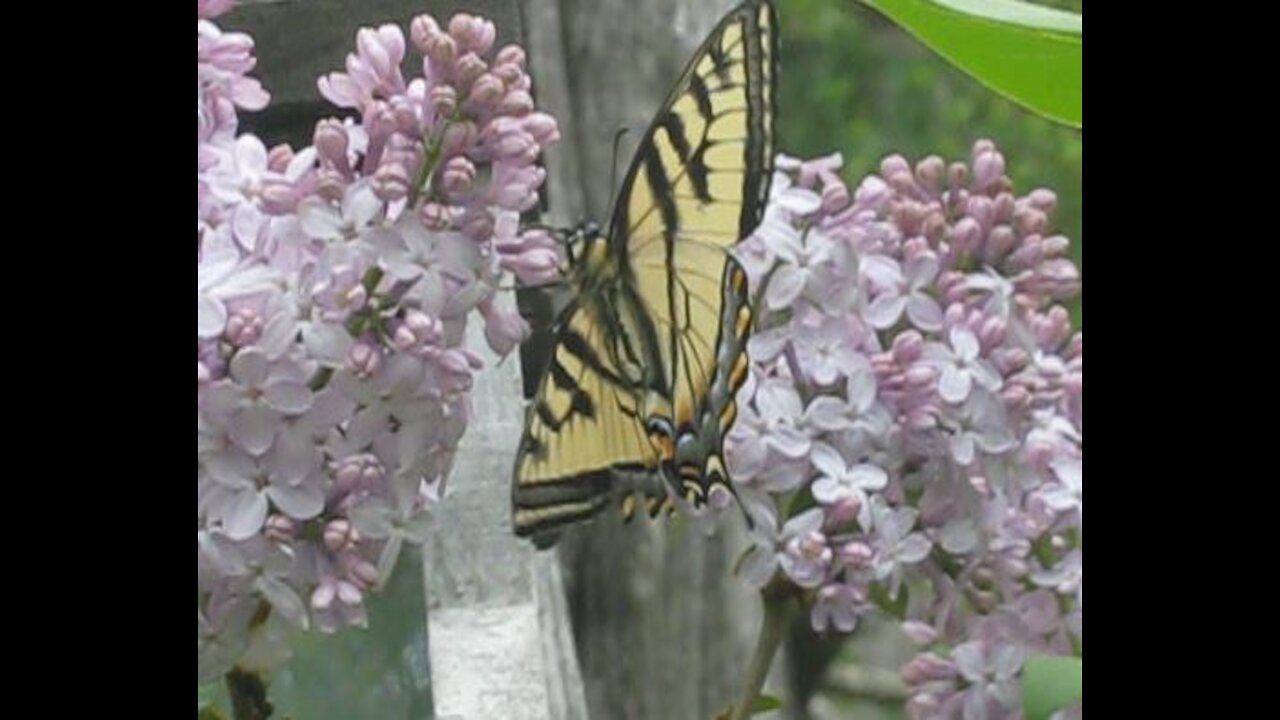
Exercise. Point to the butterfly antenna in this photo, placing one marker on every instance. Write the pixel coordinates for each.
(613, 166)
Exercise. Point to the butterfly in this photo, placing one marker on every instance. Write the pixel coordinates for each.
(649, 352)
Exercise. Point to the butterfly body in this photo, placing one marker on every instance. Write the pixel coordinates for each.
(650, 350)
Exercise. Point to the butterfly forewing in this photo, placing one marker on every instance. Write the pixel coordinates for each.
(667, 299)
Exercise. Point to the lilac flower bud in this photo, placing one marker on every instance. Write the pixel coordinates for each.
(928, 667)
(458, 137)
(1046, 201)
(921, 375)
(435, 216)
(922, 419)
(929, 172)
(981, 145)
(1000, 242)
(919, 633)
(444, 101)
(379, 122)
(416, 330)
(363, 573)
(323, 595)
(835, 197)
(467, 69)
(1002, 208)
(988, 167)
(404, 111)
(1054, 246)
(510, 55)
(535, 266)
(503, 330)
(966, 235)
(872, 192)
(339, 534)
(538, 238)
(278, 158)
(348, 474)
(486, 91)
(842, 511)
(516, 103)
(924, 705)
(349, 594)
(1075, 349)
(957, 176)
(330, 185)
(902, 181)
(421, 31)
(856, 554)
(278, 197)
(244, 327)
(364, 359)
(955, 314)
(981, 209)
(508, 73)
(391, 181)
(478, 226)
(440, 48)
(280, 528)
(1030, 221)
(991, 333)
(1009, 360)
(472, 33)
(457, 175)
(952, 286)
(473, 359)
(1056, 278)
(382, 49)
(908, 347)
(894, 165)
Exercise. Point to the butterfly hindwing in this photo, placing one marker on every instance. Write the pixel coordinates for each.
(697, 186)
(583, 427)
(648, 356)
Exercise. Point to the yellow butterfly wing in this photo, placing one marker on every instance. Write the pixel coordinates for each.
(699, 184)
(648, 356)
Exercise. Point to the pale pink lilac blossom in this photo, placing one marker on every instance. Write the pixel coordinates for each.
(334, 287)
(910, 435)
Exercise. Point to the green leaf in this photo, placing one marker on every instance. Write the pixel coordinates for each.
(1050, 683)
(764, 704)
(1031, 55)
(210, 701)
(204, 695)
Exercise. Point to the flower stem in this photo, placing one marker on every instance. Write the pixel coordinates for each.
(248, 695)
(777, 601)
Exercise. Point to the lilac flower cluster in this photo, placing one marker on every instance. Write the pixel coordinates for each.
(910, 436)
(334, 287)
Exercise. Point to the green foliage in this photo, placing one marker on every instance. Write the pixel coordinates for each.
(211, 700)
(1030, 54)
(854, 82)
(1050, 683)
(764, 704)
